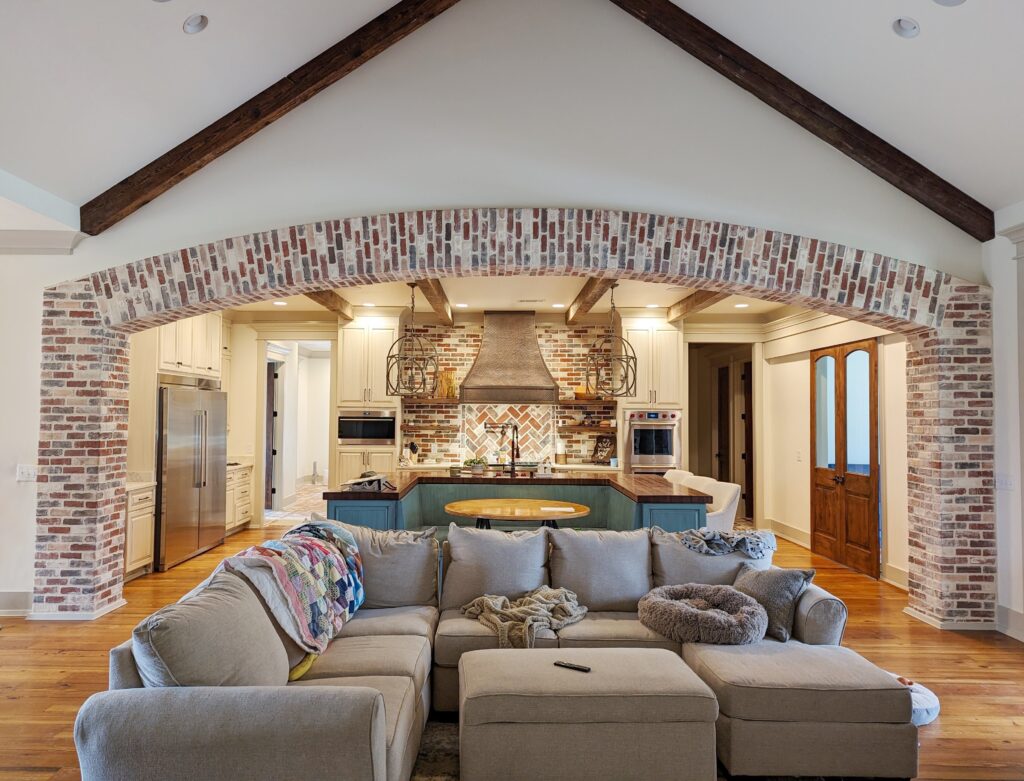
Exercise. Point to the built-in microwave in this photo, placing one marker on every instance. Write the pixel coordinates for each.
(653, 440)
(366, 427)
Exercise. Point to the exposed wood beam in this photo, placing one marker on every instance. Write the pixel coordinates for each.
(591, 293)
(813, 114)
(255, 114)
(437, 298)
(697, 301)
(331, 301)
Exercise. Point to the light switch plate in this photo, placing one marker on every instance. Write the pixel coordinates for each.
(1004, 482)
(27, 473)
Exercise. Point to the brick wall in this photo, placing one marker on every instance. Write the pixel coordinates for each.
(82, 439)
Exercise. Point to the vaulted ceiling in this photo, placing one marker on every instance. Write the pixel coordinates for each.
(102, 89)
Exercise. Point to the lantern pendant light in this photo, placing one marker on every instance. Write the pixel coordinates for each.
(412, 361)
(611, 362)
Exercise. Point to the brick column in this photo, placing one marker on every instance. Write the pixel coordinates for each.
(82, 458)
(950, 482)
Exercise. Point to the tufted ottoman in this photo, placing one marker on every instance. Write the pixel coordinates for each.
(640, 713)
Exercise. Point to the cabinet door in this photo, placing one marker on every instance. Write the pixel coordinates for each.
(202, 363)
(230, 520)
(184, 358)
(665, 375)
(380, 341)
(351, 463)
(213, 344)
(640, 338)
(352, 384)
(139, 539)
(381, 460)
(168, 348)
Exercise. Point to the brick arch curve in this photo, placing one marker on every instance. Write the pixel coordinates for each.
(83, 443)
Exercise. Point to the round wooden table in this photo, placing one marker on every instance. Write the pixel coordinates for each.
(547, 511)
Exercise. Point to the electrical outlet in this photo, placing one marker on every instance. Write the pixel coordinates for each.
(27, 473)
(799, 457)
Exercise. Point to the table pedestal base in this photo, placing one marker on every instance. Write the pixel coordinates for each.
(485, 523)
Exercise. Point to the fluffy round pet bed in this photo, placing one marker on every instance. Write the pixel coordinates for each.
(699, 613)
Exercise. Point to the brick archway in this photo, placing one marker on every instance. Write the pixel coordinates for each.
(84, 407)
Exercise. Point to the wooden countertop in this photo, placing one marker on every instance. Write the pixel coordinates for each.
(642, 489)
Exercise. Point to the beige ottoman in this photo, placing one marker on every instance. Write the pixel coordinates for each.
(640, 713)
(789, 709)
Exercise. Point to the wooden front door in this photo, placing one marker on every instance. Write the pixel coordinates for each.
(844, 455)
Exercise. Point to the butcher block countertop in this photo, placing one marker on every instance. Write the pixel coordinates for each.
(642, 489)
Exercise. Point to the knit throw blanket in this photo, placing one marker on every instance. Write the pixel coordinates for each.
(756, 545)
(516, 622)
(311, 579)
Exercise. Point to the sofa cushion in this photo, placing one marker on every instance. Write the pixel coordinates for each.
(506, 564)
(778, 591)
(457, 634)
(420, 621)
(625, 686)
(348, 657)
(399, 567)
(773, 681)
(674, 564)
(608, 570)
(217, 635)
(613, 630)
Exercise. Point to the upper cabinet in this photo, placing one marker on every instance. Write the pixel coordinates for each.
(658, 347)
(192, 346)
(362, 363)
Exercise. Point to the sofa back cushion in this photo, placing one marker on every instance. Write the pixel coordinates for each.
(506, 564)
(674, 564)
(217, 635)
(399, 567)
(608, 570)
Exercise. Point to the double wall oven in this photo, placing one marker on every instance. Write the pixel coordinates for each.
(653, 440)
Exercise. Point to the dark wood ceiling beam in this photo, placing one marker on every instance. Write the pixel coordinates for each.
(437, 298)
(587, 298)
(233, 128)
(813, 114)
(696, 302)
(333, 302)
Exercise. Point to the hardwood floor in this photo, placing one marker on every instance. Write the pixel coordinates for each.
(47, 669)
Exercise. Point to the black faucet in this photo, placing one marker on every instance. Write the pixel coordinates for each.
(503, 428)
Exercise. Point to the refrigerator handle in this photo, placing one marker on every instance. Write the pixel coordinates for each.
(197, 444)
(205, 444)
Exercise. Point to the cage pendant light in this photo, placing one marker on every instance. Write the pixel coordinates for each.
(611, 362)
(412, 360)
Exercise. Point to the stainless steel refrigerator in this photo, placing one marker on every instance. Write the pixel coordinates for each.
(191, 469)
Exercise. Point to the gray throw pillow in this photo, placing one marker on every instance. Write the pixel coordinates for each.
(218, 635)
(399, 567)
(608, 570)
(505, 564)
(778, 591)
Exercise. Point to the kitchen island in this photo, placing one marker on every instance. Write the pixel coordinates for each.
(617, 501)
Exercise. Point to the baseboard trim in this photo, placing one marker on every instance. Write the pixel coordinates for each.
(790, 533)
(959, 626)
(895, 576)
(83, 616)
(1010, 622)
(15, 603)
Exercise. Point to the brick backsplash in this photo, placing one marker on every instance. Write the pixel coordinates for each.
(83, 400)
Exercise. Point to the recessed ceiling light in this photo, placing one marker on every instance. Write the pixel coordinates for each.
(652, 306)
(195, 24)
(369, 306)
(558, 306)
(950, 3)
(280, 303)
(461, 306)
(741, 306)
(905, 27)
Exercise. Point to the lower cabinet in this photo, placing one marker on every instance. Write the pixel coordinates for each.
(673, 517)
(238, 504)
(353, 461)
(140, 528)
(374, 514)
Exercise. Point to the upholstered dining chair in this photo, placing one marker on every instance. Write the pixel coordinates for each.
(725, 500)
(677, 476)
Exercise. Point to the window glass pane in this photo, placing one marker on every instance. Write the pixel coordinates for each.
(825, 412)
(858, 413)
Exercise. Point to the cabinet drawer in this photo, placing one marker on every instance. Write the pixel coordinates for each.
(243, 490)
(144, 498)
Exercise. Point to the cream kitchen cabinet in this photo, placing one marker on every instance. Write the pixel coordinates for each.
(140, 527)
(238, 503)
(362, 363)
(658, 347)
(192, 346)
(353, 461)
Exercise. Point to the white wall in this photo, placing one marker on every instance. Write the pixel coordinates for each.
(242, 412)
(602, 112)
(314, 428)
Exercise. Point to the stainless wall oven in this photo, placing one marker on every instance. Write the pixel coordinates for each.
(366, 427)
(653, 440)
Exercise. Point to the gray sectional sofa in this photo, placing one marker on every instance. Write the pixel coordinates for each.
(202, 688)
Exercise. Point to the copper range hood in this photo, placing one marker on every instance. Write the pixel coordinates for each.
(509, 368)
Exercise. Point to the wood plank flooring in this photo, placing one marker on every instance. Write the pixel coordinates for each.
(47, 669)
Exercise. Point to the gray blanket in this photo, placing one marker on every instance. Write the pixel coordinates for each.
(756, 545)
(516, 622)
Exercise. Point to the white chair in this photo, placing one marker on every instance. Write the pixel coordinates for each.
(677, 476)
(725, 500)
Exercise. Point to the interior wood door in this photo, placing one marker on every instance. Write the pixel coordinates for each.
(723, 452)
(844, 455)
(748, 439)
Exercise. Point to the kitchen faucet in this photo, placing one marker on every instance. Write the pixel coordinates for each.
(503, 428)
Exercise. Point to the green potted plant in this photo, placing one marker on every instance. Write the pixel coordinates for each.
(476, 465)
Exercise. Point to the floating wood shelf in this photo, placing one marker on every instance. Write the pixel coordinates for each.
(585, 402)
(410, 401)
(588, 429)
(413, 428)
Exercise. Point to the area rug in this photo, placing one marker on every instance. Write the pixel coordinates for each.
(439, 757)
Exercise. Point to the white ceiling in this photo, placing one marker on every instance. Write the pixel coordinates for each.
(104, 87)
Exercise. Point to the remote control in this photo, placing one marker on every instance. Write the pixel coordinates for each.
(570, 666)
